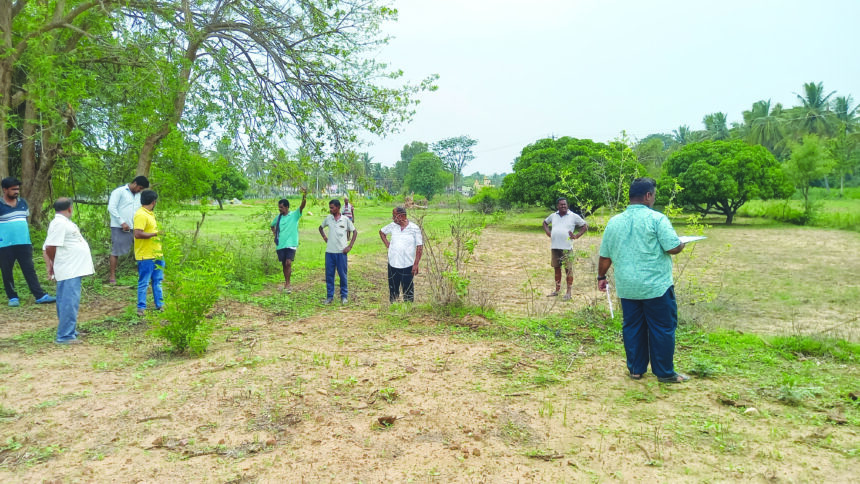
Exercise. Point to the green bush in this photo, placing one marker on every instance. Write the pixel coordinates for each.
(487, 200)
(191, 288)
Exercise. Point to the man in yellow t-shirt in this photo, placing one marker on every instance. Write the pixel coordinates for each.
(147, 251)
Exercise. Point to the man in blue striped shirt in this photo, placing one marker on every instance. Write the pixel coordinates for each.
(15, 243)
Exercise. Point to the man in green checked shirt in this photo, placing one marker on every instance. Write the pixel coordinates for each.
(639, 242)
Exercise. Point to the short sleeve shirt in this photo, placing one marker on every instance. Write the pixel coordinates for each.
(337, 230)
(288, 233)
(561, 228)
(637, 240)
(403, 242)
(73, 257)
(13, 223)
(146, 249)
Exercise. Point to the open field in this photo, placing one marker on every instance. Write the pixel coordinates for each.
(530, 389)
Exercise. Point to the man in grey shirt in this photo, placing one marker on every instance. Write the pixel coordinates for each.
(338, 245)
(563, 222)
(122, 204)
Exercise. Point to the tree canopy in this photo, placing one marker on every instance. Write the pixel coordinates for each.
(590, 174)
(427, 175)
(718, 177)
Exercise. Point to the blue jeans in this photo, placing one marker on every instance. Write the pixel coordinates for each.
(335, 261)
(68, 302)
(649, 334)
(149, 270)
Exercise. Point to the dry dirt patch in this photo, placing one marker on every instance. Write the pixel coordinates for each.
(277, 400)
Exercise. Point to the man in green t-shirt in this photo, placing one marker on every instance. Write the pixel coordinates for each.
(639, 243)
(285, 227)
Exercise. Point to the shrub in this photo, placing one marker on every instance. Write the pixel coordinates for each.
(487, 200)
(191, 288)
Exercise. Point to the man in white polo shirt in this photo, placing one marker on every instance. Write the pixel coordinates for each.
(404, 253)
(68, 260)
(122, 205)
(563, 223)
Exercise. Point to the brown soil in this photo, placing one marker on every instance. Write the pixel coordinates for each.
(276, 400)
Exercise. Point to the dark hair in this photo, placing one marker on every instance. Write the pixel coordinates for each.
(641, 186)
(560, 199)
(141, 181)
(62, 204)
(10, 182)
(284, 202)
(400, 210)
(335, 202)
(148, 196)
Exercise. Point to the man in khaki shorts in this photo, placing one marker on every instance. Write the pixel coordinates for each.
(122, 204)
(559, 228)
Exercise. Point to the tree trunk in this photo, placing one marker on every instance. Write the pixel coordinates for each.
(144, 160)
(729, 217)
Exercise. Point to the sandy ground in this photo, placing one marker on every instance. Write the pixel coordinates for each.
(277, 400)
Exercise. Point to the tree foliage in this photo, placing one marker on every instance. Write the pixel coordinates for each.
(591, 174)
(718, 177)
(456, 152)
(810, 161)
(427, 175)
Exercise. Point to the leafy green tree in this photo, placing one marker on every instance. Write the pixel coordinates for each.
(414, 148)
(590, 174)
(427, 175)
(810, 161)
(228, 182)
(456, 153)
(298, 67)
(718, 177)
(845, 151)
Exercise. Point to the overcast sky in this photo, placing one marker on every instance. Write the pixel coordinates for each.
(512, 72)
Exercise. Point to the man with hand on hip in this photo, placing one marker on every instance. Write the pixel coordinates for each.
(404, 254)
(563, 222)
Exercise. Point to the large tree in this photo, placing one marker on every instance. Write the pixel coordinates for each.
(427, 175)
(456, 152)
(718, 177)
(590, 174)
(303, 68)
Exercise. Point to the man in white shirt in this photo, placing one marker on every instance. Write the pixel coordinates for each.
(404, 254)
(338, 245)
(122, 204)
(68, 260)
(563, 222)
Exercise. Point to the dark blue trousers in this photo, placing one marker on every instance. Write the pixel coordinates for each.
(335, 261)
(23, 253)
(649, 334)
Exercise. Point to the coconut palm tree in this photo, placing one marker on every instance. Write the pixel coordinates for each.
(765, 126)
(716, 127)
(816, 117)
